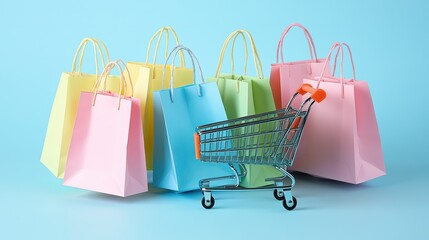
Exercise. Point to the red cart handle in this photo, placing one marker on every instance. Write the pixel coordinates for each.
(317, 95)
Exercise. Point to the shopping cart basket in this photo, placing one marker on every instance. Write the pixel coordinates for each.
(270, 138)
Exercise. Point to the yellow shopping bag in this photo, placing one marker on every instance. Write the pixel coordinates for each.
(64, 108)
(147, 77)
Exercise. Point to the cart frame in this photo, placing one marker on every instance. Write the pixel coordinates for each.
(270, 138)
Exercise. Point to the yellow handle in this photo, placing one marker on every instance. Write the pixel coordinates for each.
(102, 54)
(245, 52)
(256, 58)
(97, 51)
(159, 33)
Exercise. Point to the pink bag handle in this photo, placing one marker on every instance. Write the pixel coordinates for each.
(340, 48)
(98, 82)
(310, 42)
(351, 60)
(123, 83)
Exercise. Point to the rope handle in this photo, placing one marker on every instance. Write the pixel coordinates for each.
(339, 47)
(104, 76)
(307, 34)
(80, 52)
(194, 59)
(256, 58)
(159, 33)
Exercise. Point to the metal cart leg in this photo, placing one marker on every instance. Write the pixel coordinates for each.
(208, 200)
(205, 183)
(283, 191)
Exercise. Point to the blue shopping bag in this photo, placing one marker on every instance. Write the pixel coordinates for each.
(177, 113)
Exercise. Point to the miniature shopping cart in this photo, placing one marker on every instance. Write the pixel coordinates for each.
(270, 138)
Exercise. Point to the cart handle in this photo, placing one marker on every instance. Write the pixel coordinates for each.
(317, 94)
(197, 142)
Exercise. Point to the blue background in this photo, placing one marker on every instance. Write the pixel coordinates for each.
(389, 42)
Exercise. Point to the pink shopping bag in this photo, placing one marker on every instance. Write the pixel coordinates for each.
(107, 151)
(286, 77)
(341, 140)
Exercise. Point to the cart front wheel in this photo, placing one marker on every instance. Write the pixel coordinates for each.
(278, 195)
(208, 204)
(293, 205)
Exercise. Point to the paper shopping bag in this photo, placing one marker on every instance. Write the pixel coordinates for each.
(63, 112)
(177, 113)
(147, 78)
(107, 148)
(244, 95)
(341, 140)
(286, 77)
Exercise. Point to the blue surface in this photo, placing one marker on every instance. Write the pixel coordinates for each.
(389, 42)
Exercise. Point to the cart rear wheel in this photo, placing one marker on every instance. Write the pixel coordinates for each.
(292, 206)
(278, 195)
(208, 204)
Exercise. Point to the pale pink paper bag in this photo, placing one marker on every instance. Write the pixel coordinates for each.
(107, 149)
(341, 140)
(286, 77)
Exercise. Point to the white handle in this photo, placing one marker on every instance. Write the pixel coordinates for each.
(194, 59)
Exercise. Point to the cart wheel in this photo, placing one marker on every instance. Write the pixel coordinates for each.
(278, 195)
(208, 205)
(291, 207)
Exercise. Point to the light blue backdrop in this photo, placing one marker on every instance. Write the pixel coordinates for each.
(389, 42)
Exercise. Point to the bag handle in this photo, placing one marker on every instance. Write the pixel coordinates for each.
(307, 34)
(340, 48)
(180, 48)
(245, 52)
(159, 33)
(104, 76)
(97, 84)
(97, 50)
(351, 60)
(103, 52)
(256, 59)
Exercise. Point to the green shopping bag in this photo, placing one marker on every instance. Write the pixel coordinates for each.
(244, 95)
